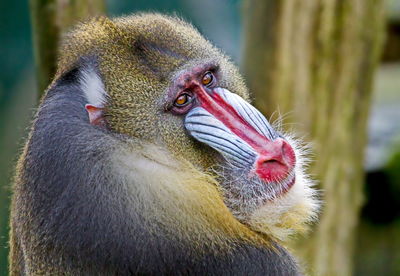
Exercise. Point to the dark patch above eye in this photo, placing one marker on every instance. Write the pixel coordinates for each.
(153, 48)
(158, 58)
(214, 68)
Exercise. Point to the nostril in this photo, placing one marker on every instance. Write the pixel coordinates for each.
(272, 161)
(270, 169)
(271, 164)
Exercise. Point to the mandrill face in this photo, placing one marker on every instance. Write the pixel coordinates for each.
(175, 90)
(258, 164)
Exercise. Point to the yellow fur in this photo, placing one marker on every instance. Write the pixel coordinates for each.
(176, 194)
(136, 90)
(161, 172)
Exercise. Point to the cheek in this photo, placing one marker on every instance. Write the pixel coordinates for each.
(178, 142)
(133, 122)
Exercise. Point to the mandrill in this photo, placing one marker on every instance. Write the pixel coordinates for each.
(146, 158)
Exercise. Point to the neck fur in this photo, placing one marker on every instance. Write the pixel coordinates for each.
(174, 195)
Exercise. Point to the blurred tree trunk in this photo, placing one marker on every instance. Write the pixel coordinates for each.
(50, 18)
(315, 60)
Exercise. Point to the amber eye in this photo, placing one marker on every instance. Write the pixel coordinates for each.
(182, 100)
(207, 78)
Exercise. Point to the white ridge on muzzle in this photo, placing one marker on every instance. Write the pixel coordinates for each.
(207, 129)
(203, 126)
(248, 112)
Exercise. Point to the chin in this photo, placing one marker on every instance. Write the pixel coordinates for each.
(279, 209)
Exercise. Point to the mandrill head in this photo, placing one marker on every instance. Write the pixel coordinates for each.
(156, 82)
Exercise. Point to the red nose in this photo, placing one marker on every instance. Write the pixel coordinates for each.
(276, 161)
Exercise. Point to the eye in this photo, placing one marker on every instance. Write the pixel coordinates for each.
(183, 100)
(207, 78)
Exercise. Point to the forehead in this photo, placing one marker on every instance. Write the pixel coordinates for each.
(164, 44)
(146, 48)
(166, 40)
(163, 30)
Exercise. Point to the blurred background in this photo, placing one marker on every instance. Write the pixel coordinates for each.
(332, 69)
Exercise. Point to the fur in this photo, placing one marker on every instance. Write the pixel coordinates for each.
(91, 83)
(138, 195)
(107, 204)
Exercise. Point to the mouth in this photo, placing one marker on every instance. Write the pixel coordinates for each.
(282, 187)
(245, 192)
